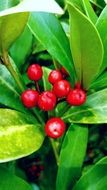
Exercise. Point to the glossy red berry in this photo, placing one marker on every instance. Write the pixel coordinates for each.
(61, 88)
(55, 127)
(47, 101)
(55, 76)
(34, 72)
(76, 97)
(29, 98)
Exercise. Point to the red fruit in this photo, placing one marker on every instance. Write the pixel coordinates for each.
(78, 85)
(63, 70)
(29, 98)
(76, 97)
(47, 101)
(61, 88)
(34, 72)
(55, 76)
(55, 127)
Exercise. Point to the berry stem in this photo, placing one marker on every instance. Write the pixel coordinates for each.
(54, 150)
(38, 116)
(37, 86)
(7, 63)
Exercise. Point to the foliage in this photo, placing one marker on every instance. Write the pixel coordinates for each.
(76, 39)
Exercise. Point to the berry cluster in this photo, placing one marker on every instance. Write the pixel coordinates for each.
(47, 100)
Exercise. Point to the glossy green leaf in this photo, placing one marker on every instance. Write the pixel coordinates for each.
(102, 28)
(46, 84)
(93, 111)
(100, 82)
(86, 46)
(71, 157)
(11, 27)
(43, 26)
(10, 181)
(19, 135)
(77, 3)
(9, 95)
(89, 11)
(94, 178)
(61, 108)
(22, 47)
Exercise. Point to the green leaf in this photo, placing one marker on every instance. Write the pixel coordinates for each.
(77, 3)
(11, 27)
(102, 28)
(43, 26)
(93, 111)
(71, 156)
(61, 108)
(95, 178)
(9, 95)
(19, 136)
(89, 11)
(22, 47)
(46, 84)
(100, 82)
(85, 7)
(86, 46)
(9, 181)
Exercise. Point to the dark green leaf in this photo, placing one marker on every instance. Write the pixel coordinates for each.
(47, 29)
(94, 178)
(72, 156)
(93, 111)
(102, 28)
(11, 27)
(9, 181)
(22, 48)
(86, 46)
(61, 108)
(9, 95)
(19, 136)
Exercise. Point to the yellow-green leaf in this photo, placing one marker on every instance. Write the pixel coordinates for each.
(19, 136)
(11, 27)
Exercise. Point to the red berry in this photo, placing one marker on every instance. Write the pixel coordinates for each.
(61, 88)
(55, 127)
(29, 98)
(76, 97)
(63, 70)
(78, 85)
(55, 76)
(47, 101)
(35, 72)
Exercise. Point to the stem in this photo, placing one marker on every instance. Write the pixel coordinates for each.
(54, 150)
(38, 116)
(10, 68)
(51, 140)
(37, 86)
